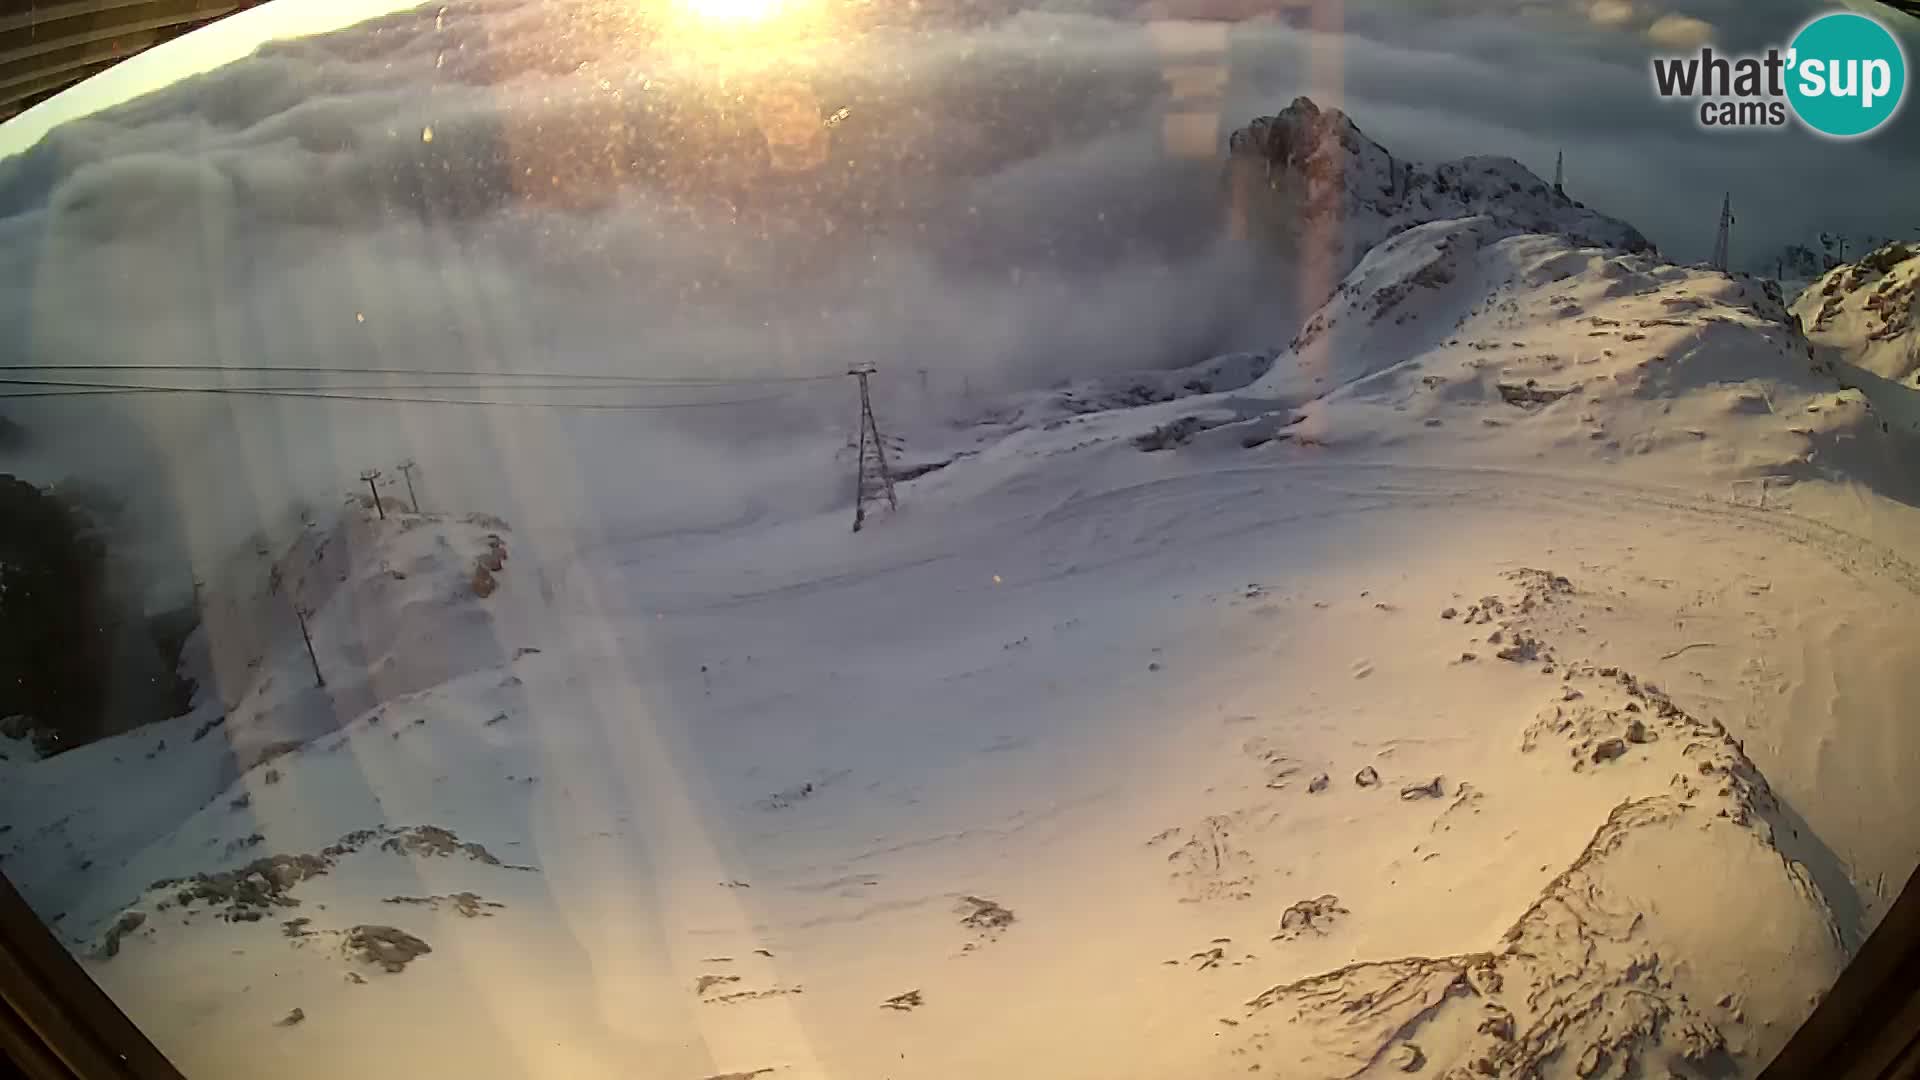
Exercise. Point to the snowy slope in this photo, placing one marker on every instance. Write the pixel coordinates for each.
(679, 831)
(1471, 341)
(391, 612)
(683, 777)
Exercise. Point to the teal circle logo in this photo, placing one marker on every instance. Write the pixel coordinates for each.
(1846, 75)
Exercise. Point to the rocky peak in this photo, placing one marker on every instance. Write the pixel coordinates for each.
(1318, 165)
(1319, 152)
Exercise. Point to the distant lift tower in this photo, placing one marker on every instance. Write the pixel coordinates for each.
(869, 437)
(1720, 241)
(1560, 174)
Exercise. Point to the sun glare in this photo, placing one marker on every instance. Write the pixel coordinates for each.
(738, 11)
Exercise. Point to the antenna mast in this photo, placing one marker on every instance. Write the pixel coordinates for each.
(1720, 241)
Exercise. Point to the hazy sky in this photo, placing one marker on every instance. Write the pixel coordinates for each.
(1513, 76)
(222, 42)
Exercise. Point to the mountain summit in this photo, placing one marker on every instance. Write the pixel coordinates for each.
(1323, 173)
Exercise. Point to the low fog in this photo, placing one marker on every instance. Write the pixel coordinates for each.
(970, 196)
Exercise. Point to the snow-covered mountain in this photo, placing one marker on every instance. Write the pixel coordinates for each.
(1868, 309)
(1340, 709)
(1315, 174)
(1861, 318)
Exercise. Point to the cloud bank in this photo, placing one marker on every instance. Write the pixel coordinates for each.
(987, 193)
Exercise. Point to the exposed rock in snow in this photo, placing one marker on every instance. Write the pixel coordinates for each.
(1607, 973)
(249, 893)
(1870, 311)
(1865, 319)
(1039, 408)
(390, 948)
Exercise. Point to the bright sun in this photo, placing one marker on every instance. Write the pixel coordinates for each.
(734, 10)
